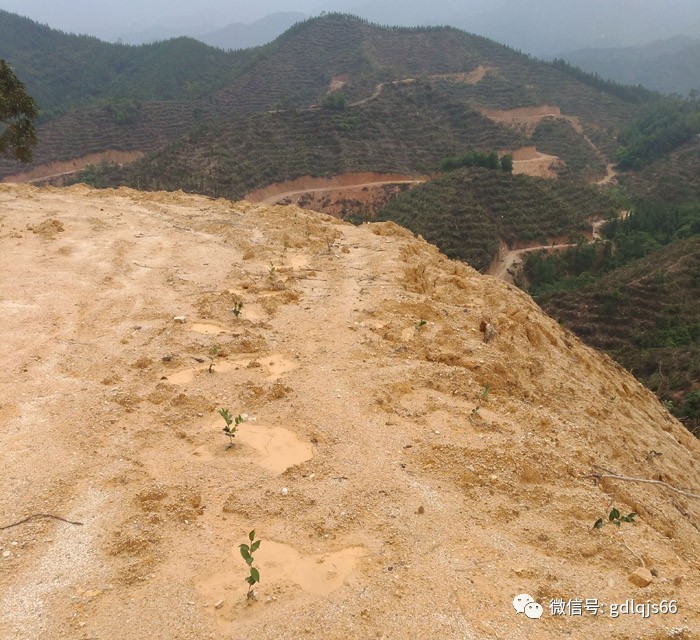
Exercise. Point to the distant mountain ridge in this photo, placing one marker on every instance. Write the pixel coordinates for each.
(669, 66)
(238, 35)
(544, 27)
(62, 70)
(538, 27)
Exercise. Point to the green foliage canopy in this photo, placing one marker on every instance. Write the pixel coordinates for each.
(17, 114)
(334, 100)
(486, 159)
(666, 125)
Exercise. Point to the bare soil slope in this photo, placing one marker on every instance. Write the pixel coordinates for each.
(391, 501)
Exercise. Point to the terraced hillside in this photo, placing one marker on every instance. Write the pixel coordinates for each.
(467, 212)
(341, 50)
(557, 137)
(334, 52)
(141, 127)
(674, 178)
(406, 129)
(646, 315)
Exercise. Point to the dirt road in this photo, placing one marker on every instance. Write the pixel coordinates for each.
(505, 263)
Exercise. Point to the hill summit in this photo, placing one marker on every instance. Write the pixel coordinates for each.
(417, 445)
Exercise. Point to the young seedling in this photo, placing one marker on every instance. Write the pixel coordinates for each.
(229, 430)
(421, 324)
(213, 352)
(237, 308)
(247, 551)
(271, 271)
(615, 518)
(482, 397)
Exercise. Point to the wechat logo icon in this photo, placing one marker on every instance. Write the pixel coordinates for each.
(525, 603)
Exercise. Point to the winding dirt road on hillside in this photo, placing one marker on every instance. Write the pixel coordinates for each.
(39, 173)
(504, 265)
(610, 175)
(359, 186)
(340, 196)
(310, 185)
(290, 194)
(472, 77)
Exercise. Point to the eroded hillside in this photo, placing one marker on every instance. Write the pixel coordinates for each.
(407, 473)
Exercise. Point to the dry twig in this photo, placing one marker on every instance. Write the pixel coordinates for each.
(600, 476)
(39, 515)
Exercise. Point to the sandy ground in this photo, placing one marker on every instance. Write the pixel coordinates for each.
(395, 494)
(525, 119)
(531, 162)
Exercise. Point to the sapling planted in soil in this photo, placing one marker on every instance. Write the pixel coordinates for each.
(237, 308)
(247, 551)
(229, 430)
(614, 517)
(482, 397)
(213, 352)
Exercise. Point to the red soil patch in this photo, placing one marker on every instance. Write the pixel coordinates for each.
(280, 190)
(342, 195)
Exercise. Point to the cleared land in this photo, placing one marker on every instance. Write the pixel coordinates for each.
(413, 508)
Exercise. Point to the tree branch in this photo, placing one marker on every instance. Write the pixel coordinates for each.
(600, 476)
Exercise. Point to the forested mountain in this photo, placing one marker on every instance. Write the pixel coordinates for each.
(64, 71)
(149, 87)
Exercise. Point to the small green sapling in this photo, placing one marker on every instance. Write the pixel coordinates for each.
(237, 308)
(229, 430)
(482, 397)
(213, 352)
(614, 517)
(247, 551)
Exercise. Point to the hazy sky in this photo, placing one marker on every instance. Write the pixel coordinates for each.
(537, 26)
(86, 15)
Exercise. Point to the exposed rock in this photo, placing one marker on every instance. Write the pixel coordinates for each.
(642, 577)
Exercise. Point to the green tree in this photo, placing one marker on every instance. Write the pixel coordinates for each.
(691, 407)
(491, 161)
(17, 114)
(507, 163)
(334, 101)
